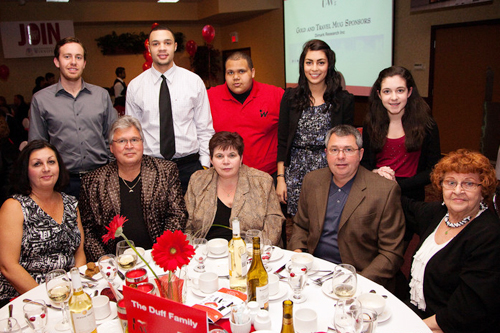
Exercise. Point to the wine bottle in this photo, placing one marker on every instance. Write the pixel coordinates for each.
(80, 307)
(287, 317)
(257, 287)
(237, 259)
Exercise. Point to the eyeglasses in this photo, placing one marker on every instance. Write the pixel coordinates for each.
(466, 186)
(123, 142)
(348, 151)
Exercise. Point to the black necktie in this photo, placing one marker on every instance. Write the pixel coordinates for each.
(167, 137)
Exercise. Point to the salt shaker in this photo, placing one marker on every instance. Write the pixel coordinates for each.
(262, 321)
(254, 309)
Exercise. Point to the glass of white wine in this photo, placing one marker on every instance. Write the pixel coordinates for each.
(59, 290)
(126, 259)
(297, 277)
(344, 281)
(348, 316)
(35, 313)
(108, 268)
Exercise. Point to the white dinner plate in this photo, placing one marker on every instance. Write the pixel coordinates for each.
(385, 315)
(110, 326)
(277, 254)
(326, 288)
(112, 315)
(282, 291)
(147, 256)
(218, 256)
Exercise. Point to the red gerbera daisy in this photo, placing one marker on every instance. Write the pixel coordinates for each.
(172, 250)
(115, 228)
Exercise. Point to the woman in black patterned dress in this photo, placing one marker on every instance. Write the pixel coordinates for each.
(307, 112)
(40, 228)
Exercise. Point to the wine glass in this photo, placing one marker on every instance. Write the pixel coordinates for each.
(266, 251)
(9, 325)
(201, 252)
(348, 316)
(249, 235)
(126, 259)
(35, 313)
(297, 277)
(59, 290)
(109, 268)
(344, 281)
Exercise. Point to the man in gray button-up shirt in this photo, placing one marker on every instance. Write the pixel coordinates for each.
(73, 115)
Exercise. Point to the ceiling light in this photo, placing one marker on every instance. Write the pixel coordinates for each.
(167, 1)
(57, 0)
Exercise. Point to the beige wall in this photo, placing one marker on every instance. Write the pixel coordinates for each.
(413, 33)
(263, 33)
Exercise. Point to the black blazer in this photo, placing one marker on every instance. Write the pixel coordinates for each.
(289, 120)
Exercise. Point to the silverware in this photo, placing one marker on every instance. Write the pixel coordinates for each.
(374, 292)
(27, 300)
(319, 281)
(121, 275)
(280, 269)
(11, 309)
(88, 277)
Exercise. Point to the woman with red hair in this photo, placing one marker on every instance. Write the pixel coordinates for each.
(455, 272)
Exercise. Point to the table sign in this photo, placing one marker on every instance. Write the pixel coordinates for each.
(150, 313)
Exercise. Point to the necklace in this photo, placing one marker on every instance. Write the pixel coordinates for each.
(482, 208)
(131, 189)
(228, 194)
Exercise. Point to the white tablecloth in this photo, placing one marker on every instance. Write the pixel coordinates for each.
(403, 319)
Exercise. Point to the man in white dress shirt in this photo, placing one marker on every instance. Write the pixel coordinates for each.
(190, 109)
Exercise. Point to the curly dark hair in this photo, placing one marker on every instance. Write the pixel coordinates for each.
(466, 161)
(19, 177)
(301, 96)
(416, 118)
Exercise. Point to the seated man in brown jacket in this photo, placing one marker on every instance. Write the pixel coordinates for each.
(350, 215)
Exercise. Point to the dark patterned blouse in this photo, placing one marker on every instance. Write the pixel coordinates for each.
(45, 245)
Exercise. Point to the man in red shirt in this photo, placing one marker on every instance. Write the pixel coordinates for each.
(250, 108)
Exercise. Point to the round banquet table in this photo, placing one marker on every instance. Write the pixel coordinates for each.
(401, 320)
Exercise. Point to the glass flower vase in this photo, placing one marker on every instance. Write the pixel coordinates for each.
(173, 285)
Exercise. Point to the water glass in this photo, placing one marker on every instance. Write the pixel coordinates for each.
(201, 253)
(297, 277)
(348, 316)
(266, 251)
(9, 325)
(35, 313)
(108, 267)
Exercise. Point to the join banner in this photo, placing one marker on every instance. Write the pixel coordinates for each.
(31, 39)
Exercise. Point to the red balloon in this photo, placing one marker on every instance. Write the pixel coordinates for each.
(154, 25)
(4, 72)
(208, 33)
(147, 56)
(146, 66)
(146, 44)
(191, 47)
